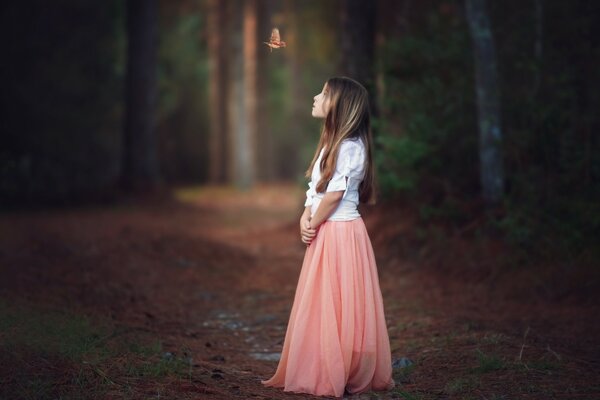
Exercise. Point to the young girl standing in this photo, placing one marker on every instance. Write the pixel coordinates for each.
(336, 340)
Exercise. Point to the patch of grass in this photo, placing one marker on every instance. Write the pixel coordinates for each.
(50, 333)
(47, 354)
(493, 338)
(156, 367)
(143, 349)
(410, 345)
(444, 340)
(461, 385)
(399, 393)
(37, 388)
(545, 364)
(471, 326)
(489, 363)
(530, 388)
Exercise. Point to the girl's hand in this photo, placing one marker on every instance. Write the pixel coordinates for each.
(306, 232)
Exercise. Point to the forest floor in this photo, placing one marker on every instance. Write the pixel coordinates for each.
(186, 295)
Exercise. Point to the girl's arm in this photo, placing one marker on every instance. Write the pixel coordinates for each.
(328, 204)
(306, 232)
(305, 219)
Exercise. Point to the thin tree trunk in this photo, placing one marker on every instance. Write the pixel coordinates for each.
(488, 103)
(235, 96)
(358, 45)
(300, 100)
(140, 168)
(242, 93)
(265, 157)
(247, 145)
(218, 70)
(538, 47)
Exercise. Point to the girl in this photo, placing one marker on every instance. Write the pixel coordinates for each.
(336, 340)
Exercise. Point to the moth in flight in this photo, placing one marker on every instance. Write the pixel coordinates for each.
(275, 41)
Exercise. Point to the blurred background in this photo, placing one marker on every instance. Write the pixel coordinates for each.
(185, 92)
(100, 97)
(152, 160)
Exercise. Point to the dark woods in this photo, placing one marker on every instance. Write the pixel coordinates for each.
(62, 99)
(479, 105)
(140, 162)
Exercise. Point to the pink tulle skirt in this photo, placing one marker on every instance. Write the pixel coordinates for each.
(336, 337)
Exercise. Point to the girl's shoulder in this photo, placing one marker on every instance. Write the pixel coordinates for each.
(352, 145)
(352, 153)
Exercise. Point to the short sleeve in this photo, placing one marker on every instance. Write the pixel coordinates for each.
(350, 164)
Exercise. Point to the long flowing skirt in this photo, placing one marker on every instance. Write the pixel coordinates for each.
(336, 337)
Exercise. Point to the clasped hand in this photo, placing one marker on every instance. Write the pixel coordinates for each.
(307, 233)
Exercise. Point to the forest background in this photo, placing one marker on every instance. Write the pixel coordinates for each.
(152, 160)
(223, 109)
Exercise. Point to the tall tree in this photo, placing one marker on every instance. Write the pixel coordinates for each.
(242, 93)
(299, 97)
(247, 146)
(140, 168)
(488, 102)
(235, 97)
(358, 45)
(264, 136)
(218, 36)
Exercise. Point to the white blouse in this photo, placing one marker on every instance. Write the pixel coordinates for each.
(349, 172)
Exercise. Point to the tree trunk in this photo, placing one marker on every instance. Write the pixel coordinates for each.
(235, 96)
(358, 45)
(488, 103)
(140, 168)
(290, 164)
(265, 157)
(247, 146)
(242, 93)
(538, 47)
(218, 88)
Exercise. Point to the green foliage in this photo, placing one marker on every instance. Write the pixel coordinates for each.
(428, 94)
(63, 98)
(396, 160)
(182, 112)
(428, 134)
(552, 229)
(553, 164)
(518, 228)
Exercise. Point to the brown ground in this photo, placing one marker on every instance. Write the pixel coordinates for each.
(211, 274)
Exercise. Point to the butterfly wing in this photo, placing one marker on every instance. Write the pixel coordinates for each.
(275, 38)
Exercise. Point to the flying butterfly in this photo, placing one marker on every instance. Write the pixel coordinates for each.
(275, 41)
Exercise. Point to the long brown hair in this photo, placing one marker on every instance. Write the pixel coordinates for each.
(348, 117)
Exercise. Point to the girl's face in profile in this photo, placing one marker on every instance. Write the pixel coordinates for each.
(321, 103)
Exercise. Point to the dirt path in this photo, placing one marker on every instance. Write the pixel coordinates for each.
(211, 273)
